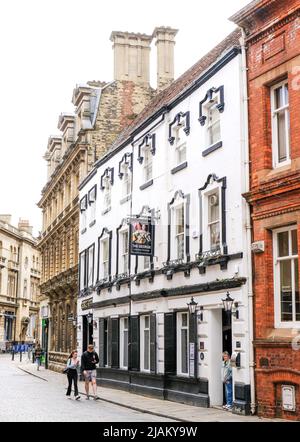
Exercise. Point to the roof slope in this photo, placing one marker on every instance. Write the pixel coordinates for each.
(168, 95)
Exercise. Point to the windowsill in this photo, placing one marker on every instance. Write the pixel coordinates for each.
(92, 223)
(83, 231)
(146, 185)
(179, 168)
(281, 167)
(125, 199)
(212, 148)
(106, 211)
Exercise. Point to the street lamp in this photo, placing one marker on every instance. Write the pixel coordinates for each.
(192, 306)
(228, 303)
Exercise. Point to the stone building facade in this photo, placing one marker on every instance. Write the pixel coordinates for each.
(272, 30)
(102, 110)
(19, 283)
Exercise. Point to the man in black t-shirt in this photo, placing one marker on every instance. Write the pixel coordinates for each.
(89, 360)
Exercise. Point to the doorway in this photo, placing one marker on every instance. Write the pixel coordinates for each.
(227, 338)
(87, 333)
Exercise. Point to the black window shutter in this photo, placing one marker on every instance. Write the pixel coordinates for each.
(170, 343)
(114, 342)
(134, 340)
(109, 341)
(153, 343)
(101, 342)
(193, 363)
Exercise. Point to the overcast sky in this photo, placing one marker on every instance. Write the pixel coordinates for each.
(49, 46)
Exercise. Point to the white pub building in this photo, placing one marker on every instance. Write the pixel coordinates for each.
(170, 189)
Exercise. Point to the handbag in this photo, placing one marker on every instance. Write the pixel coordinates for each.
(66, 370)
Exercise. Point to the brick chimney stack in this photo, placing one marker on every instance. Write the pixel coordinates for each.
(165, 55)
(131, 56)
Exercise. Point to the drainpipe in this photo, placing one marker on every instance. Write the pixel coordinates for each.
(245, 143)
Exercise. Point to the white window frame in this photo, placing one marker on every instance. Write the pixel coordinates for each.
(107, 195)
(122, 254)
(146, 259)
(92, 203)
(122, 342)
(180, 145)
(83, 210)
(90, 269)
(274, 113)
(175, 235)
(142, 343)
(82, 258)
(179, 346)
(126, 181)
(205, 202)
(276, 268)
(147, 163)
(210, 125)
(104, 262)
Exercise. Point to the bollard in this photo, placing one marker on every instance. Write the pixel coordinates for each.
(13, 355)
(20, 356)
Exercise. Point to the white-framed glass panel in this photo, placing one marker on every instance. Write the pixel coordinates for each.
(145, 343)
(90, 266)
(180, 146)
(107, 195)
(286, 275)
(124, 343)
(124, 251)
(148, 164)
(214, 219)
(127, 177)
(146, 262)
(182, 344)
(179, 231)
(82, 270)
(92, 203)
(213, 124)
(105, 257)
(280, 123)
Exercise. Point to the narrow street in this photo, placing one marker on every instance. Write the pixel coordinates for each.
(27, 398)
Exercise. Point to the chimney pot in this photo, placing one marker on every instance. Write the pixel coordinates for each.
(165, 43)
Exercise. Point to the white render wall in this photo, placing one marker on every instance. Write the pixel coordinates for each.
(224, 162)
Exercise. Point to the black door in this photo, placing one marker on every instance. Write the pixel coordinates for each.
(84, 333)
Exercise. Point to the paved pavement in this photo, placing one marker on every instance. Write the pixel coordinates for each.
(40, 396)
(27, 398)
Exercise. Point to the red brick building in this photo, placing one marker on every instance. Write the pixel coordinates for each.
(272, 32)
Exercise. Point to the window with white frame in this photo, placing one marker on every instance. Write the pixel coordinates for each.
(146, 262)
(92, 203)
(124, 251)
(214, 219)
(90, 276)
(179, 231)
(145, 343)
(127, 177)
(105, 257)
(107, 195)
(124, 343)
(83, 210)
(213, 123)
(82, 270)
(182, 343)
(180, 146)
(286, 273)
(280, 123)
(148, 164)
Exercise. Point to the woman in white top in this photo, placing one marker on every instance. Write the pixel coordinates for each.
(72, 373)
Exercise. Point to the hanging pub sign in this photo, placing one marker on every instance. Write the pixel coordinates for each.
(141, 236)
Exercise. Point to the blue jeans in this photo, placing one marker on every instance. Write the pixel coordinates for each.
(228, 393)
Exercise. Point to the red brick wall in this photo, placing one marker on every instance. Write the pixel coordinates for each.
(273, 52)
